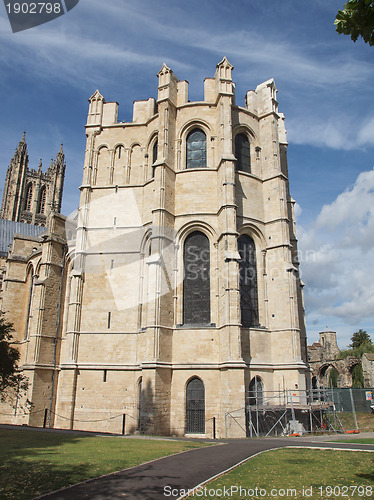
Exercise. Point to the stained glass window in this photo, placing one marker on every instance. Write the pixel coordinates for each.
(196, 283)
(196, 149)
(242, 153)
(248, 281)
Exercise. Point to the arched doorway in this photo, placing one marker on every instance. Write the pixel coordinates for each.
(195, 407)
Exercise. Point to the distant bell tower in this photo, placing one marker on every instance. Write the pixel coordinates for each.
(31, 195)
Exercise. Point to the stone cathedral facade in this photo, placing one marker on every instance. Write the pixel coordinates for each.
(176, 289)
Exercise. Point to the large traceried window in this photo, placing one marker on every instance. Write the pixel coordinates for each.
(196, 149)
(41, 204)
(242, 153)
(28, 199)
(196, 283)
(248, 282)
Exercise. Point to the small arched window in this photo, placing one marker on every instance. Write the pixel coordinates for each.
(42, 197)
(195, 407)
(242, 153)
(196, 149)
(248, 282)
(154, 156)
(196, 283)
(256, 392)
(28, 199)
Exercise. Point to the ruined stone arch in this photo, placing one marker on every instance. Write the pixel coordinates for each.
(328, 375)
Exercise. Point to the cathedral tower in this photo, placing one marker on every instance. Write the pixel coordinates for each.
(30, 195)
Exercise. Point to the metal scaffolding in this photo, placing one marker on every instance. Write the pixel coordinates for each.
(290, 412)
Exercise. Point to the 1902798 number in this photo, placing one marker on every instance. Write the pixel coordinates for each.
(345, 491)
(34, 8)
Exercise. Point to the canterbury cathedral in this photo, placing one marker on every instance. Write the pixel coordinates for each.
(173, 293)
(31, 195)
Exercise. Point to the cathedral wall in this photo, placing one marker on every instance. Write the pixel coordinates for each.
(224, 392)
(249, 197)
(18, 289)
(101, 398)
(201, 345)
(124, 346)
(196, 194)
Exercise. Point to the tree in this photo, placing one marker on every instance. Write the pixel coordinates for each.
(12, 382)
(357, 19)
(357, 376)
(360, 338)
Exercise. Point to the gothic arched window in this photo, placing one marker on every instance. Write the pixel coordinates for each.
(242, 153)
(195, 407)
(196, 283)
(41, 204)
(28, 199)
(154, 156)
(248, 281)
(196, 149)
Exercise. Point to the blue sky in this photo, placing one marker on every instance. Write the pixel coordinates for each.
(325, 86)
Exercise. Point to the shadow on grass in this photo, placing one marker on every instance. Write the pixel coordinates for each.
(25, 470)
(369, 476)
(33, 463)
(35, 479)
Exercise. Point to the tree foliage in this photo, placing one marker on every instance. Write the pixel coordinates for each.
(359, 338)
(12, 382)
(333, 378)
(361, 343)
(357, 19)
(358, 376)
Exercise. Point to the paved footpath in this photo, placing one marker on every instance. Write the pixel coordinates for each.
(183, 471)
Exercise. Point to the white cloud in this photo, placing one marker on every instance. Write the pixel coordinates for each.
(332, 131)
(66, 45)
(298, 210)
(337, 257)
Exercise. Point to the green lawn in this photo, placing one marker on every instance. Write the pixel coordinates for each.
(297, 473)
(32, 462)
(354, 440)
(365, 420)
